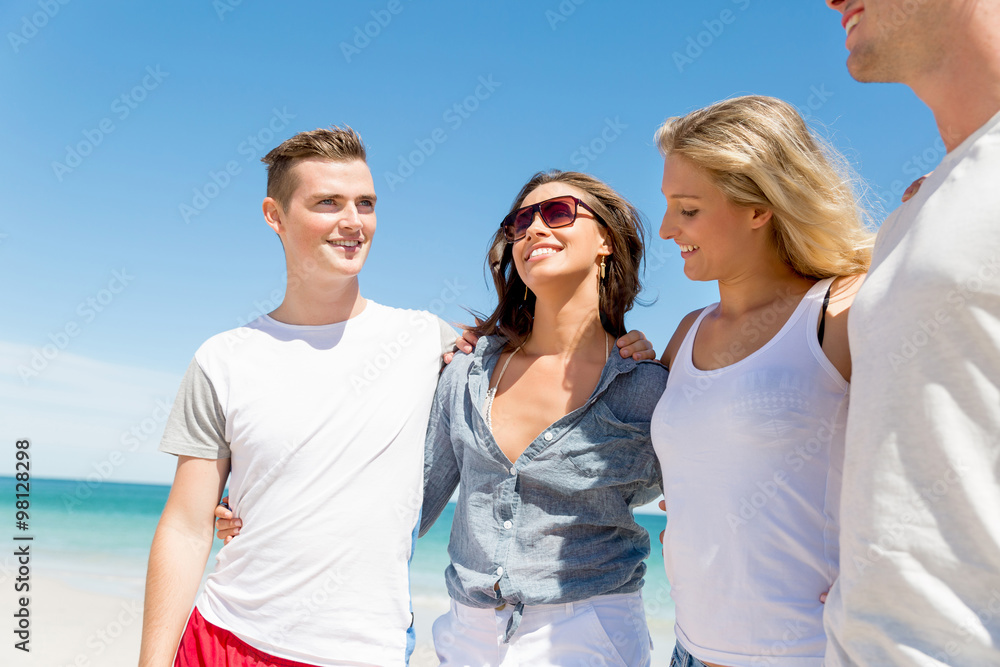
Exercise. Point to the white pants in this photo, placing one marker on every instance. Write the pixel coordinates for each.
(602, 631)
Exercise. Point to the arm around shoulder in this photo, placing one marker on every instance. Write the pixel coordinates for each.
(181, 545)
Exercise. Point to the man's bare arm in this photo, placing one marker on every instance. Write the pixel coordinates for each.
(181, 545)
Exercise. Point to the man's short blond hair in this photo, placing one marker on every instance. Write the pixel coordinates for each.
(336, 144)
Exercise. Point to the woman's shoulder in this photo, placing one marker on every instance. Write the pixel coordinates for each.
(844, 289)
(460, 365)
(675, 341)
(836, 344)
(633, 394)
(649, 372)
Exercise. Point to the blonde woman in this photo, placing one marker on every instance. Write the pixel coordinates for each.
(750, 429)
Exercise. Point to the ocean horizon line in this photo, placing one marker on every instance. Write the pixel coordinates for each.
(86, 480)
(650, 509)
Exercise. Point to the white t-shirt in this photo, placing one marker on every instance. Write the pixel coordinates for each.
(920, 534)
(325, 428)
(751, 456)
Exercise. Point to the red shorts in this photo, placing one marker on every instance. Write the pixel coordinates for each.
(207, 645)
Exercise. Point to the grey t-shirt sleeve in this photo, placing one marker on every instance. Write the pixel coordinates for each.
(196, 425)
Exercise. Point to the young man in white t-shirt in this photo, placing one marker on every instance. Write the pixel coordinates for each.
(318, 412)
(920, 534)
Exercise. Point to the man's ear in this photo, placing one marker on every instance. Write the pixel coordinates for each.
(273, 215)
(761, 216)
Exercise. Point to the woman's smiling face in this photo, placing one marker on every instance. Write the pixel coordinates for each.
(546, 254)
(713, 234)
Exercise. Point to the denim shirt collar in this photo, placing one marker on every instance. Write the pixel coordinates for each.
(488, 351)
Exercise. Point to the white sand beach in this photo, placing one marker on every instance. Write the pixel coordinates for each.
(79, 626)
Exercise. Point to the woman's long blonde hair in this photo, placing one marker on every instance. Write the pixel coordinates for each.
(760, 153)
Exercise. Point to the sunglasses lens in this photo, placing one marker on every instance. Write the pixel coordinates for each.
(517, 223)
(523, 220)
(559, 212)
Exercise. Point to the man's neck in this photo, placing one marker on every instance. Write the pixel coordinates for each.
(315, 304)
(964, 91)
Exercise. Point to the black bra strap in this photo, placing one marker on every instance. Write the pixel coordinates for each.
(822, 317)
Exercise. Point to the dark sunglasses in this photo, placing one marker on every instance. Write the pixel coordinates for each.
(555, 212)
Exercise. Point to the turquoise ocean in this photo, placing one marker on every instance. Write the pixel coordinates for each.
(96, 536)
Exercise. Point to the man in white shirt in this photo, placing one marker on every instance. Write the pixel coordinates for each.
(920, 533)
(318, 411)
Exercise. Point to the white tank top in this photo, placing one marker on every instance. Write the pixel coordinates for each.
(752, 456)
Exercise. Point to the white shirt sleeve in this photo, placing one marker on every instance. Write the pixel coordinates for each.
(448, 336)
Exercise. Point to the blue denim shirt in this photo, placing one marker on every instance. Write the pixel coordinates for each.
(556, 525)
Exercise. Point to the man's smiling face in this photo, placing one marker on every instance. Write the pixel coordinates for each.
(328, 222)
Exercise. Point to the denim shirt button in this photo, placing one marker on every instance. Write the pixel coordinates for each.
(499, 571)
(510, 470)
(507, 525)
(548, 436)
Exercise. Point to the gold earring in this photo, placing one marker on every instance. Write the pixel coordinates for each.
(602, 268)
(525, 292)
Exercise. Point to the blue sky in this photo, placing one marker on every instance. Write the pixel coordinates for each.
(132, 135)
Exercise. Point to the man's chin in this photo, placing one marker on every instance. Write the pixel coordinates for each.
(350, 266)
(865, 66)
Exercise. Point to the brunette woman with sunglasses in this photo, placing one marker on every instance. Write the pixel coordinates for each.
(750, 429)
(547, 427)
